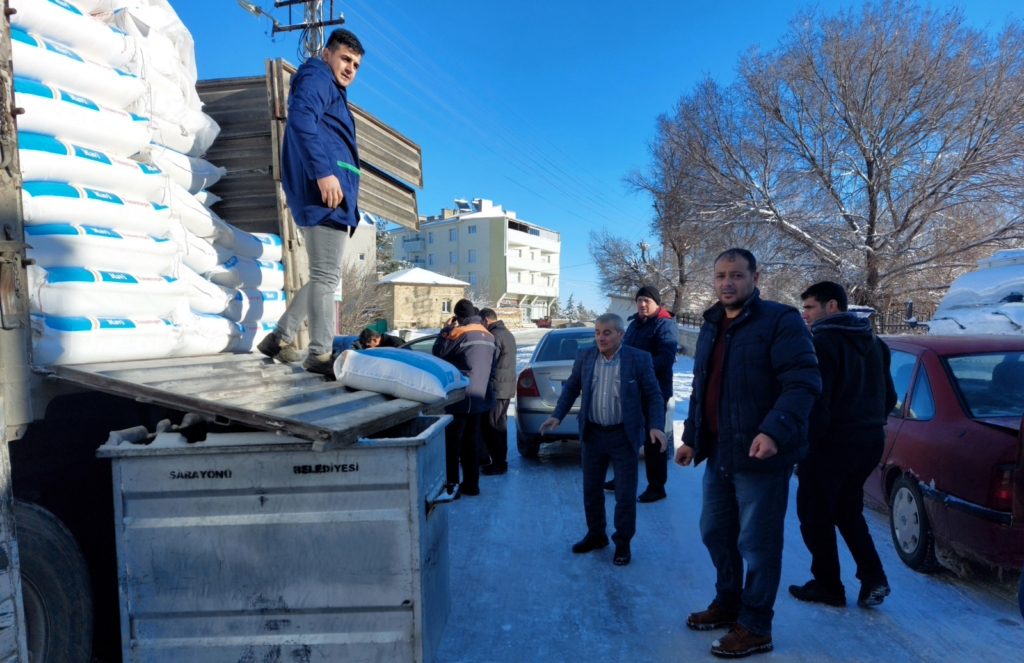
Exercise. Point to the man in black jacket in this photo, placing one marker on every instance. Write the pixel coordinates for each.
(494, 425)
(755, 378)
(846, 436)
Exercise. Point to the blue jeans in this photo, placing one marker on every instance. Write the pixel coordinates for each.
(600, 448)
(325, 247)
(742, 521)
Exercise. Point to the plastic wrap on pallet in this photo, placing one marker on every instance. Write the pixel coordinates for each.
(64, 23)
(191, 173)
(68, 245)
(85, 340)
(56, 112)
(204, 296)
(43, 60)
(50, 159)
(57, 202)
(79, 291)
(242, 272)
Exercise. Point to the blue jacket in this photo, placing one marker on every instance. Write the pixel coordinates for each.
(657, 334)
(470, 348)
(640, 396)
(319, 139)
(769, 382)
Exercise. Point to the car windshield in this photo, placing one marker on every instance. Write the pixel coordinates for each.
(992, 384)
(563, 347)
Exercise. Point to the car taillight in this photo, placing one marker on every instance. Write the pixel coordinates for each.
(527, 384)
(1001, 494)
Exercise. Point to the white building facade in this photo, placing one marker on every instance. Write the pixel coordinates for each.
(507, 261)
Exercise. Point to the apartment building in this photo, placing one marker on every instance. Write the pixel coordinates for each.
(508, 262)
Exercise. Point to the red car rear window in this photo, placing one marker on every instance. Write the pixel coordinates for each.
(992, 384)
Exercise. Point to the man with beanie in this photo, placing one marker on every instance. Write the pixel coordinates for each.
(846, 436)
(320, 178)
(494, 426)
(465, 343)
(653, 329)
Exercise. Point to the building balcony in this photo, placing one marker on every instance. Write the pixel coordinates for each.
(518, 264)
(416, 244)
(514, 289)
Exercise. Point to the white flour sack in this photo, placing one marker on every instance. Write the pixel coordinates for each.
(207, 198)
(396, 372)
(205, 335)
(247, 244)
(156, 27)
(62, 22)
(77, 291)
(192, 173)
(79, 119)
(49, 159)
(251, 305)
(203, 296)
(183, 137)
(43, 60)
(79, 340)
(242, 272)
(67, 245)
(194, 215)
(200, 255)
(249, 334)
(58, 202)
(271, 247)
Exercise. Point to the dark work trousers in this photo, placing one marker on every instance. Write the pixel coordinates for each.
(460, 445)
(831, 496)
(494, 427)
(601, 446)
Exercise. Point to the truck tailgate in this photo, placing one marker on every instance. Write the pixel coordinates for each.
(255, 391)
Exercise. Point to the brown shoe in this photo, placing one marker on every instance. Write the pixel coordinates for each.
(740, 642)
(714, 617)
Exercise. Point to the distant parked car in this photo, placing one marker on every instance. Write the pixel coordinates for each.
(544, 322)
(951, 449)
(540, 384)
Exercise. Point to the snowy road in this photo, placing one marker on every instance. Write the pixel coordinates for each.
(520, 596)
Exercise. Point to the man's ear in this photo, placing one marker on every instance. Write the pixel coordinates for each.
(832, 307)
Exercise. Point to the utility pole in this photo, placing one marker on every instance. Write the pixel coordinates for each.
(316, 15)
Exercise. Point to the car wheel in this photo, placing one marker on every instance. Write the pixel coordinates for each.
(528, 447)
(911, 532)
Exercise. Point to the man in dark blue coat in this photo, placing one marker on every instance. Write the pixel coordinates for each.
(621, 407)
(320, 178)
(755, 379)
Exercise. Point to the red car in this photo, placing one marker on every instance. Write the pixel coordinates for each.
(947, 471)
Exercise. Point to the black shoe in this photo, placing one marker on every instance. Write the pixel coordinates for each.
(319, 366)
(610, 485)
(466, 489)
(271, 346)
(622, 555)
(590, 542)
(813, 592)
(652, 494)
(491, 469)
(872, 593)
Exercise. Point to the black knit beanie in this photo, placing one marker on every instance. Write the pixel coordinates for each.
(648, 291)
(464, 309)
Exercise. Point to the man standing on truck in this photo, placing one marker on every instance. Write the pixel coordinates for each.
(755, 378)
(320, 177)
(846, 436)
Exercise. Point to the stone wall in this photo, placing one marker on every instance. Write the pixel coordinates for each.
(419, 306)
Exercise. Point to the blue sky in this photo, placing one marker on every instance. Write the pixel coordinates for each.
(542, 107)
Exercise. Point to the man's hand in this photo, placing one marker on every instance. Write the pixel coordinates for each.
(452, 321)
(549, 423)
(330, 190)
(763, 447)
(684, 455)
(659, 437)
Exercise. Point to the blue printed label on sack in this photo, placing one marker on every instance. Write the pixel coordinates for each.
(266, 264)
(105, 196)
(68, 6)
(68, 274)
(62, 50)
(158, 207)
(272, 295)
(52, 229)
(115, 323)
(117, 277)
(231, 262)
(92, 155)
(28, 86)
(29, 140)
(148, 169)
(23, 37)
(101, 232)
(139, 118)
(61, 189)
(78, 100)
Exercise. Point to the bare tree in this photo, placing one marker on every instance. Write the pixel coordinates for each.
(361, 303)
(881, 147)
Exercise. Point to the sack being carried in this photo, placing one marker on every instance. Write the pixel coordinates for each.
(416, 376)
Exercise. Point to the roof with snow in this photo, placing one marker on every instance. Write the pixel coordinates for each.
(419, 276)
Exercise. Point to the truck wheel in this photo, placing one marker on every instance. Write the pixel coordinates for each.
(528, 448)
(911, 532)
(55, 586)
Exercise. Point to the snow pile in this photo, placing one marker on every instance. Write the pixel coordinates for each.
(988, 300)
(132, 262)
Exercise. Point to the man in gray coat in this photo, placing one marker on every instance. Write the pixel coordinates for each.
(494, 425)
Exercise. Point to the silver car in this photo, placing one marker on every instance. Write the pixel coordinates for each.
(540, 384)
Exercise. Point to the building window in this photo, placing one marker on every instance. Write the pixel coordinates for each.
(446, 306)
(533, 255)
(472, 278)
(519, 253)
(362, 256)
(472, 230)
(472, 255)
(547, 259)
(430, 237)
(453, 234)
(531, 279)
(430, 259)
(453, 257)
(516, 275)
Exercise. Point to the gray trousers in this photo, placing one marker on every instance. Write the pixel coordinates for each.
(325, 247)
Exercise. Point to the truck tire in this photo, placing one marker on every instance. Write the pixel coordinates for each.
(55, 586)
(912, 534)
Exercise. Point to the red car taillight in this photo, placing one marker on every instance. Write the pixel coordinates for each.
(527, 384)
(1001, 494)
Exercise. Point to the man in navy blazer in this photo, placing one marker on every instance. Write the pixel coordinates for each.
(620, 396)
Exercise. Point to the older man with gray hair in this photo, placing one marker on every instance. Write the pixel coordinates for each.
(621, 399)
